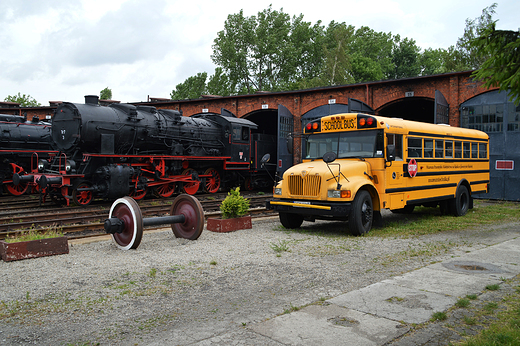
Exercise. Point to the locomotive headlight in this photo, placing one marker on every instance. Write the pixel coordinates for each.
(277, 191)
(70, 165)
(42, 165)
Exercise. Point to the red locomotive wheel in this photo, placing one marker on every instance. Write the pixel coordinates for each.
(190, 188)
(212, 183)
(165, 190)
(127, 210)
(191, 208)
(138, 194)
(82, 198)
(17, 190)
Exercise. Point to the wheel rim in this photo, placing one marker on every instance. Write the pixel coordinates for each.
(366, 214)
(82, 197)
(165, 190)
(213, 183)
(128, 211)
(190, 188)
(17, 190)
(191, 208)
(138, 194)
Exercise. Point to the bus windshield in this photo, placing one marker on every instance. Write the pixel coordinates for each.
(363, 144)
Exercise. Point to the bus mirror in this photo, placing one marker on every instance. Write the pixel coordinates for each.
(390, 152)
(265, 158)
(290, 143)
(329, 157)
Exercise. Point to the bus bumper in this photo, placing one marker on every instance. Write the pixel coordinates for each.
(307, 208)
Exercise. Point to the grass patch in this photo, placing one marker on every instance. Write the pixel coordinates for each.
(505, 330)
(493, 287)
(428, 220)
(438, 316)
(34, 235)
(281, 246)
(462, 303)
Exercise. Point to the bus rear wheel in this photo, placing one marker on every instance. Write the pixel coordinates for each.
(362, 214)
(290, 221)
(460, 204)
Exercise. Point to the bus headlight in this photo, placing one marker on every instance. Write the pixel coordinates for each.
(277, 191)
(339, 194)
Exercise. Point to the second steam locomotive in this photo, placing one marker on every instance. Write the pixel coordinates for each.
(123, 149)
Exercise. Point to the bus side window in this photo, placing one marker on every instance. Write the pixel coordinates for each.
(458, 150)
(414, 147)
(467, 150)
(448, 152)
(397, 141)
(474, 150)
(428, 148)
(439, 148)
(482, 153)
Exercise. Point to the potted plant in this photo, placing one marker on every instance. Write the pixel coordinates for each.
(31, 244)
(233, 209)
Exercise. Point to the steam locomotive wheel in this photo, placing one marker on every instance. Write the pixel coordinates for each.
(82, 198)
(17, 190)
(190, 188)
(191, 208)
(128, 210)
(138, 194)
(212, 184)
(165, 190)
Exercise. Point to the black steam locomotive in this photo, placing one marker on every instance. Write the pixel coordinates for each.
(122, 149)
(21, 142)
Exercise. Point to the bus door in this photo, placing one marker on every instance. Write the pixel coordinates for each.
(395, 173)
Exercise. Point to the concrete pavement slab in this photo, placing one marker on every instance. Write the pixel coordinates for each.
(329, 325)
(442, 281)
(395, 302)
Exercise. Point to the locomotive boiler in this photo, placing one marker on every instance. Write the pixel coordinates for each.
(123, 149)
(21, 142)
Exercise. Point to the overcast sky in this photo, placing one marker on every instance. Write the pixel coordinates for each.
(61, 50)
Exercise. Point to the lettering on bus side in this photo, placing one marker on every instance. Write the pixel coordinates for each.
(339, 124)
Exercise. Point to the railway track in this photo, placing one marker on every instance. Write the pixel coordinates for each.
(20, 214)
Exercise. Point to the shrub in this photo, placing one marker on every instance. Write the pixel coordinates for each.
(234, 205)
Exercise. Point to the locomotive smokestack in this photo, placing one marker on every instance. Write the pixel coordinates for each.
(92, 99)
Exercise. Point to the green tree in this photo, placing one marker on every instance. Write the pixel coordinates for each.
(219, 83)
(406, 58)
(371, 54)
(192, 88)
(105, 94)
(267, 52)
(501, 49)
(23, 100)
(431, 61)
(337, 65)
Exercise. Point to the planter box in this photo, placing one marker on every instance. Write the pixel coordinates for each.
(34, 248)
(229, 225)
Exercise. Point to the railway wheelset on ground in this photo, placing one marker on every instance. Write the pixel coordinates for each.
(127, 150)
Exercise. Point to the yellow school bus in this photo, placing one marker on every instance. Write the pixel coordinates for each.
(355, 165)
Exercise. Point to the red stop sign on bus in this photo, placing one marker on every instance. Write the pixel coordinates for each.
(412, 168)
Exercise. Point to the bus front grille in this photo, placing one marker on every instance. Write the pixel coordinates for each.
(304, 186)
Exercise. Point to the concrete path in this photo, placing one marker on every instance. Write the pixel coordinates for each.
(377, 314)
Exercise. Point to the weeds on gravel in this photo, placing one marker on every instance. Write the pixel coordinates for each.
(281, 246)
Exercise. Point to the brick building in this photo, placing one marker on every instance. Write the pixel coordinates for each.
(452, 98)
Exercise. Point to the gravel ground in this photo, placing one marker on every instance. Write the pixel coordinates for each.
(194, 290)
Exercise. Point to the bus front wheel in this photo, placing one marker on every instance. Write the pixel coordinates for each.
(290, 221)
(362, 214)
(460, 204)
